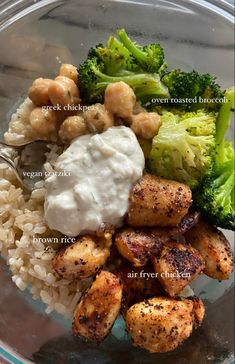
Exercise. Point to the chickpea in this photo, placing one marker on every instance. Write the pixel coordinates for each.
(119, 99)
(43, 121)
(38, 92)
(146, 124)
(72, 127)
(98, 118)
(63, 91)
(70, 71)
(61, 115)
(137, 109)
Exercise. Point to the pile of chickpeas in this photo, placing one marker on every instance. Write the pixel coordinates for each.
(54, 102)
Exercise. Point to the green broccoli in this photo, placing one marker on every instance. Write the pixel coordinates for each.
(184, 148)
(222, 124)
(150, 57)
(215, 195)
(93, 80)
(115, 57)
(192, 85)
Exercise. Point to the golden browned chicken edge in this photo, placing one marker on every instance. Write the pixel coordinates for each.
(98, 308)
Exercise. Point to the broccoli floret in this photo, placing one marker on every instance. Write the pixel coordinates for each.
(150, 57)
(114, 62)
(93, 80)
(184, 148)
(215, 195)
(90, 90)
(115, 57)
(190, 85)
(222, 124)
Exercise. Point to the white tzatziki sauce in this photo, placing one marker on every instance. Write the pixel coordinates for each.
(102, 169)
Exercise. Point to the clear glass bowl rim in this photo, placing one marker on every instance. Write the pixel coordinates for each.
(11, 10)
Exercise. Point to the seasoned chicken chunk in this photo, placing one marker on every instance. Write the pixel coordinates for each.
(138, 244)
(177, 265)
(188, 221)
(98, 308)
(160, 324)
(199, 310)
(155, 201)
(214, 248)
(138, 284)
(83, 258)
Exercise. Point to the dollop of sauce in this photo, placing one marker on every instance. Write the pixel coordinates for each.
(102, 169)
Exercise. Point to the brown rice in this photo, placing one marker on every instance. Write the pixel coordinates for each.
(21, 220)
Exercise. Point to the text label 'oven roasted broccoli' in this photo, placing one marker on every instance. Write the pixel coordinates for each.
(201, 88)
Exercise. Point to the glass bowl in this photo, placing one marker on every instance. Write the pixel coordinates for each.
(35, 37)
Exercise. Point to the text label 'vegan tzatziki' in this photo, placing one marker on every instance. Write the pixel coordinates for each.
(102, 168)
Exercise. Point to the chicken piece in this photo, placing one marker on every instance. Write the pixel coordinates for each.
(98, 308)
(199, 310)
(188, 221)
(177, 265)
(138, 284)
(138, 244)
(155, 201)
(160, 324)
(83, 258)
(214, 248)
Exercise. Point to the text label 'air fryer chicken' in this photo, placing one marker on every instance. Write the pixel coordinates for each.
(155, 201)
(177, 265)
(83, 258)
(138, 284)
(161, 324)
(139, 244)
(214, 248)
(98, 308)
